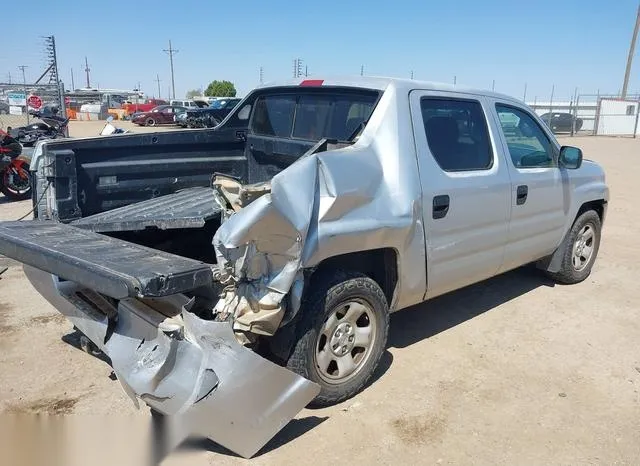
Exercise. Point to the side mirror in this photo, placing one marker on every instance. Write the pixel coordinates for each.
(570, 157)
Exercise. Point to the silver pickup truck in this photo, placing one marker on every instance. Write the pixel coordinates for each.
(357, 198)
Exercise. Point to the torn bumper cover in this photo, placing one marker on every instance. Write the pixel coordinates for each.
(184, 366)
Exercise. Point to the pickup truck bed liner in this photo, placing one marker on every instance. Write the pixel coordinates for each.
(189, 208)
(107, 265)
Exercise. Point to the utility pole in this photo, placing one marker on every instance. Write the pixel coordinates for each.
(493, 85)
(86, 70)
(261, 76)
(524, 97)
(73, 84)
(24, 83)
(297, 67)
(632, 48)
(171, 51)
(9, 77)
(306, 71)
(411, 74)
(455, 79)
(158, 81)
(361, 70)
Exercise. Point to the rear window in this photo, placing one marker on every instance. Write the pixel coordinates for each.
(313, 116)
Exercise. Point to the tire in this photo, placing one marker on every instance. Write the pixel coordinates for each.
(362, 305)
(16, 193)
(150, 122)
(585, 233)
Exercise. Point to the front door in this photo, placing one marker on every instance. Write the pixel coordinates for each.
(466, 188)
(538, 206)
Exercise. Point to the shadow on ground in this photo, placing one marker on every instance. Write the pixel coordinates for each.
(296, 428)
(442, 313)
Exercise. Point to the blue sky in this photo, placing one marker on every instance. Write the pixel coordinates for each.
(566, 43)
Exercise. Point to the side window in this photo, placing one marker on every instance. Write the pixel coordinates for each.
(273, 115)
(457, 134)
(529, 146)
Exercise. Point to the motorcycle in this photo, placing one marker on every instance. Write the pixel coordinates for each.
(15, 178)
(51, 126)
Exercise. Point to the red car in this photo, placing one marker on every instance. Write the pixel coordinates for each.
(161, 115)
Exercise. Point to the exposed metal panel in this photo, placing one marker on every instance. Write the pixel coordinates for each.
(189, 208)
(107, 265)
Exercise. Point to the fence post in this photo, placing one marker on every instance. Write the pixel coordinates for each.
(596, 121)
(550, 107)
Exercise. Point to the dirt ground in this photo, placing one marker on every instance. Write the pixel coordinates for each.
(513, 370)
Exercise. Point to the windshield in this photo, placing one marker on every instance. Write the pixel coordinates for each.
(218, 104)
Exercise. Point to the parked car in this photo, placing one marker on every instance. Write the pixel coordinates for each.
(335, 202)
(189, 103)
(161, 115)
(210, 116)
(143, 106)
(561, 122)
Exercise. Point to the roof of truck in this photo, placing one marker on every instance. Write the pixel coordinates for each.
(381, 83)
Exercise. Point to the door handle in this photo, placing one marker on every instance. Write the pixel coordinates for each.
(521, 194)
(440, 206)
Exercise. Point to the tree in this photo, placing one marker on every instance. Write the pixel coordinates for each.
(194, 93)
(220, 89)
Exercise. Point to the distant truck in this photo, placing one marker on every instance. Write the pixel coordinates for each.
(144, 106)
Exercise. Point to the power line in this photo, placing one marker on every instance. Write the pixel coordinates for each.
(171, 51)
(632, 48)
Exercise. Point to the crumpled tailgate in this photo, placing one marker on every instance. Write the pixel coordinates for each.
(110, 266)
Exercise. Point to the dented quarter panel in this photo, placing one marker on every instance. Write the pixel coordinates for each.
(358, 198)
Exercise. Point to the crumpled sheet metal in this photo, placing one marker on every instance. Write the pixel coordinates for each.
(366, 196)
(192, 370)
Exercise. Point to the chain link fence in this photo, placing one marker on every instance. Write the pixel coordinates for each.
(17, 100)
(591, 114)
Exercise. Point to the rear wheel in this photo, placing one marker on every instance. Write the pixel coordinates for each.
(581, 249)
(150, 122)
(341, 336)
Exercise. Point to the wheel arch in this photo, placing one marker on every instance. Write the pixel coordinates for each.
(381, 265)
(553, 262)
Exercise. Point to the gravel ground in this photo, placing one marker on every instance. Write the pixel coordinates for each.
(513, 370)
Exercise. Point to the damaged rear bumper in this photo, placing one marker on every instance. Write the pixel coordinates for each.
(183, 366)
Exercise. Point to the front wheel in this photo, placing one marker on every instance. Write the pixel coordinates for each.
(16, 182)
(150, 122)
(581, 249)
(341, 335)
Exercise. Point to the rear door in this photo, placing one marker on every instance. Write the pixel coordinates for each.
(466, 188)
(538, 202)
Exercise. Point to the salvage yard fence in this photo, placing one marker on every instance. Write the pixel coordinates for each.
(16, 100)
(591, 115)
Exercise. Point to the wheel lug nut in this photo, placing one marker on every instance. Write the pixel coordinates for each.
(344, 349)
(351, 339)
(338, 333)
